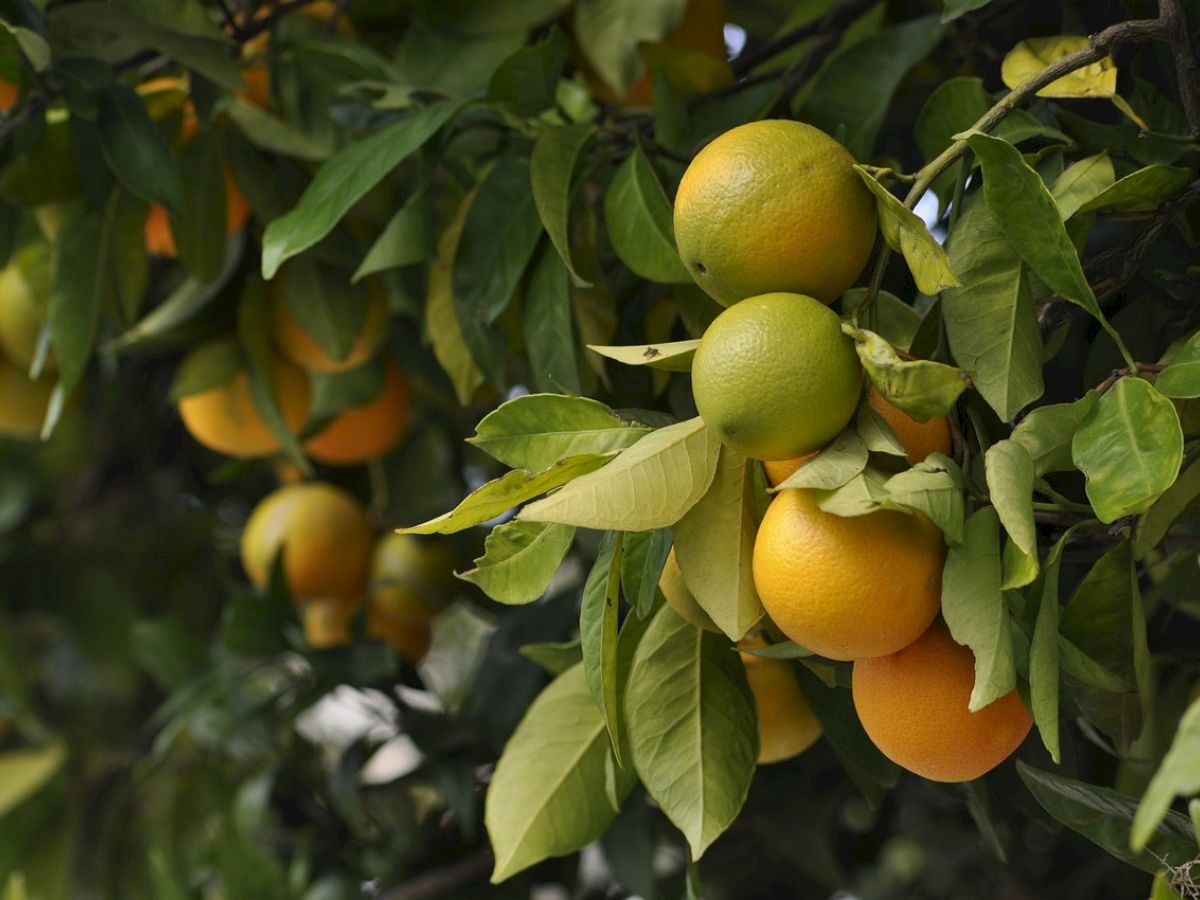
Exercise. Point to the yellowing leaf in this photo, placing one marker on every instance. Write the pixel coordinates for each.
(675, 356)
(441, 322)
(1031, 56)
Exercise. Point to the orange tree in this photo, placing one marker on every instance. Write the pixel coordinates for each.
(306, 305)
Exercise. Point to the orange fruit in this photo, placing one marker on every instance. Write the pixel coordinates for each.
(780, 470)
(786, 724)
(774, 206)
(258, 85)
(23, 402)
(327, 622)
(224, 418)
(847, 588)
(913, 705)
(411, 578)
(918, 439)
(160, 241)
(25, 287)
(775, 377)
(323, 534)
(410, 638)
(297, 345)
(361, 433)
(680, 599)
(9, 94)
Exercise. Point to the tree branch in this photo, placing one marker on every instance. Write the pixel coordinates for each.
(1175, 25)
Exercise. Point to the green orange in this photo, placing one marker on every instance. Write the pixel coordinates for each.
(25, 287)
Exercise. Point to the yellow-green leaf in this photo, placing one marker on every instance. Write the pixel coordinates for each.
(1031, 56)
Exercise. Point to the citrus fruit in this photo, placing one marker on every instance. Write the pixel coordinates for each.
(408, 637)
(25, 286)
(224, 418)
(774, 206)
(361, 433)
(786, 724)
(297, 345)
(160, 240)
(9, 94)
(847, 588)
(323, 534)
(680, 599)
(22, 402)
(327, 622)
(918, 439)
(914, 707)
(780, 470)
(411, 578)
(775, 376)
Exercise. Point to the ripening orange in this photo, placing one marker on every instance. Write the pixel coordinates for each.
(160, 241)
(918, 439)
(914, 707)
(780, 470)
(257, 74)
(23, 403)
(410, 638)
(411, 577)
(680, 599)
(297, 345)
(323, 534)
(361, 433)
(786, 724)
(225, 419)
(847, 587)
(327, 622)
(9, 94)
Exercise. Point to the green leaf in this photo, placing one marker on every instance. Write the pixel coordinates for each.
(441, 320)
(906, 233)
(1030, 220)
(991, 322)
(1032, 56)
(344, 179)
(1082, 182)
(23, 772)
(1018, 569)
(1181, 378)
(1154, 525)
(781, 650)
(404, 241)
(135, 151)
(955, 8)
(1104, 816)
(1178, 775)
(974, 609)
(536, 430)
(876, 433)
(934, 487)
(200, 229)
(525, 81)
(650, 485)
(554, 657)
(519, 560)
(839, 461)
(208, 366)
(1010, 473)
(1143, 187)
(896, 321)
(598, 634)
(80, 273)
(855, 89)
(1047, 431)
(270, 133)
(714, 546)
(556, 155)
(1079, 665)
(920, 387)
(511, 489)
(547, 796)
(638, 216)
(1130, 448)
(642, 561)
(548, 325)
(32, 44)
(609, 32)
(675, 356)
(692, 727)
(1044, 654)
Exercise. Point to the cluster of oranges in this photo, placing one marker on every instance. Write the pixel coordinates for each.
(772, 221)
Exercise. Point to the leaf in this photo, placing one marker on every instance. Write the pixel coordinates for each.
(1082, 182)
(510, 490)
(546, 321)
(1033, 55)
(1029, 219)
(498, 240)
(974, 607)
(556, 155)
(781, 650)
(1143, 187)
(525, 81)
(714, 546)
(519, 560)
(692, 727)
(32, 44)
(441, 321)
(1130, 447)
(991, 322)
(208, 366)
(609, 32)
(1044, 654)
(955, 8)
(344, 179)
(1010, 473)
(555, 658)
(1103, 816)
(1079, 665)
(1181, 378)
(906, 233)
(839, 461)
(1018, 569)
(546, 797)
(638, 217)
(134, 150)
(404, 241)
(642, 559)
(23, 772)
(934, 487)
(598, 634)
(536, 430)
(920, 387)
(650, 485)
(273, 134)
(200, 229)
(855, 89)
(1047, 431)
(1158, 519)
(675, 356)
(80, 264)
(1177, 775)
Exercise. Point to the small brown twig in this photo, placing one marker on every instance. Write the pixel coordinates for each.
(1117, 374)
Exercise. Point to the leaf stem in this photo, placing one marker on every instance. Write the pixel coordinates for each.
(1133, 368)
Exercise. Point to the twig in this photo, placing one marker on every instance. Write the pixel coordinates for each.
(1117, 374)
(438, 883)
(1175, 25)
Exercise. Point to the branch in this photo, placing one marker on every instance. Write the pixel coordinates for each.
(1187, 71)
(438, 883)
(1117, 374)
